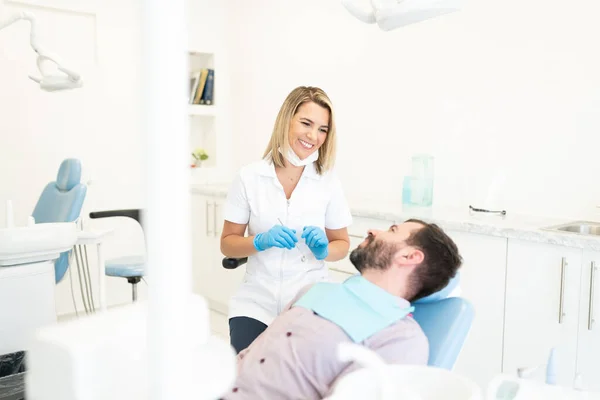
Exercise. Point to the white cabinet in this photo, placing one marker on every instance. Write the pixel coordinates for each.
(482, 283)
(588, 354)
(202, 243)
(211, 280)
(542, 306)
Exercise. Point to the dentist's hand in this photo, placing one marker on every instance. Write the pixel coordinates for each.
(278, 236)
(316, 240)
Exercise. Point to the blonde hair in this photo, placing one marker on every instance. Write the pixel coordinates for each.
(280, 135)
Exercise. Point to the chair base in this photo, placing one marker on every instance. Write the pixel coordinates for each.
(134, 280)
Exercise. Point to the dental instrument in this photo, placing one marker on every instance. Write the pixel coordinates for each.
(67, 79)
(551, 369)
(483, 210)
(303, 259)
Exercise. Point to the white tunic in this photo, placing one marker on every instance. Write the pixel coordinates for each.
(274, 276)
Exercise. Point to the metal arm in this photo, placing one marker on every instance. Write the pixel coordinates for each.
(70, 79)
(394, 14)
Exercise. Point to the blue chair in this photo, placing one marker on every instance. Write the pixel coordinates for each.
(61, 201)
(446, 323)
(132, 268)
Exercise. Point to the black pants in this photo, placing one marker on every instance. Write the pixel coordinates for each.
(243, 331)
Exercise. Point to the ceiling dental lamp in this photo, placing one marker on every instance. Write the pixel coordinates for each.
(392, 14)
(62, 79)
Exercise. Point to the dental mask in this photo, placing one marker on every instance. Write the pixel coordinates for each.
(293, 158)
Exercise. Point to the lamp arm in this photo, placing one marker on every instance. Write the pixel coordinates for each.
(361, 13)
(32, 21)
(72, 79)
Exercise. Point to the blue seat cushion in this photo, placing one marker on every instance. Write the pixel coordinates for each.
(126, 267)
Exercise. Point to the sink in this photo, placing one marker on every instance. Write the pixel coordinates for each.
(581, 227)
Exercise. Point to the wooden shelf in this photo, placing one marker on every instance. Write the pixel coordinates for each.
(202, 110)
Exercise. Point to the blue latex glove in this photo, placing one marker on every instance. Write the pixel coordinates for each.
(278, 236)
(316, 240)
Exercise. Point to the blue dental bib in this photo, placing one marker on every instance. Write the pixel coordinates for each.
(358, 306)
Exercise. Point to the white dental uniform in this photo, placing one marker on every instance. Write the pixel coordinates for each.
(274, 276)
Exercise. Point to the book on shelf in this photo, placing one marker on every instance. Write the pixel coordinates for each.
(202, 86)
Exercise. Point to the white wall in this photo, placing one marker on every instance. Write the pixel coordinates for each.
(503, 88)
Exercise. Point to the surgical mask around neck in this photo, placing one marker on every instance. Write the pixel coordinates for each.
(293, 158)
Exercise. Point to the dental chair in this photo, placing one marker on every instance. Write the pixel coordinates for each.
(61, 201)
(446, 321)
(131, 268)
(27, 289)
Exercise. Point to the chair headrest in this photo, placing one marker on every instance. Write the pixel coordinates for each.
(69, 174)
(441, 294)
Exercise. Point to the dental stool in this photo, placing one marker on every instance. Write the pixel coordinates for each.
(132, 268)
(446, 321)
(61, 201)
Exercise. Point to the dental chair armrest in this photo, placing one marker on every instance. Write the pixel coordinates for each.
(134, 213)
(233, 263)
(87, 237)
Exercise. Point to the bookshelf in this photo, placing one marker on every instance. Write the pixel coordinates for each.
(203, 112)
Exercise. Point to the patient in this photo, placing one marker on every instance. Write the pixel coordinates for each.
(295, 357)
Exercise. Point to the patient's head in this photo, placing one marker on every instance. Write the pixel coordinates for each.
(411, 260)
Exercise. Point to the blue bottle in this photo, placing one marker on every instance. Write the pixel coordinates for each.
(418, 186)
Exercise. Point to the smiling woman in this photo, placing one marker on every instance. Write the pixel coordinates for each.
(294, 209)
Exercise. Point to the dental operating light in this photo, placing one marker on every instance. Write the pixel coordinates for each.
(50, 82)
(393, 14)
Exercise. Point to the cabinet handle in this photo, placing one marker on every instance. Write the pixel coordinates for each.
(207, 225)
(561, 313)
(215, 218)
(591, 308)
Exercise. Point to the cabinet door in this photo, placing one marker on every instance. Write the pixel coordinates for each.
(224, 282)
(542, 307)
(482, 280)
(202, 243)
(588, 353)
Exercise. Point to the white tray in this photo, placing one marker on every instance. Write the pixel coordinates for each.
(39, 242)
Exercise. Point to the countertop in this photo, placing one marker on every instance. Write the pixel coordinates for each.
(523, 227)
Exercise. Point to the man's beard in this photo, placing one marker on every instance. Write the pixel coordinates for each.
(376, 254)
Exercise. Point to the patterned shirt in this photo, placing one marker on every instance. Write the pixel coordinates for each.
(296, 358)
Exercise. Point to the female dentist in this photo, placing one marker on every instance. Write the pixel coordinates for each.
(295, 210)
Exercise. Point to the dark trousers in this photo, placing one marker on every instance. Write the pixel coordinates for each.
(243, 331)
